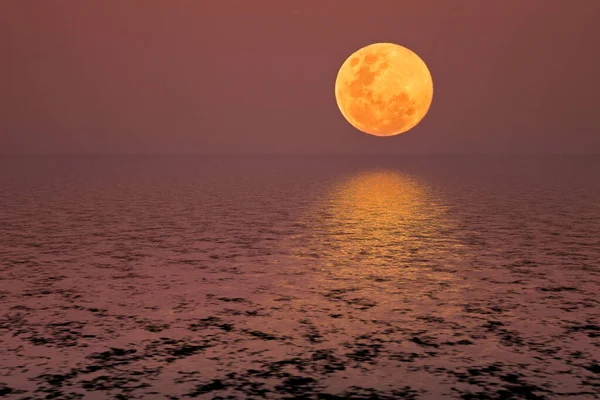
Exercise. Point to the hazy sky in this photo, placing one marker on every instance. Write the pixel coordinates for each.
(257, 76)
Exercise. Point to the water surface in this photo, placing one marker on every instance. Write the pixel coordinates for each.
(300, 277)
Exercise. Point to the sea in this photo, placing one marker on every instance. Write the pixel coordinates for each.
(300, 277)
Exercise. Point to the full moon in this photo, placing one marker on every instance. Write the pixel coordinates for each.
(384, 89)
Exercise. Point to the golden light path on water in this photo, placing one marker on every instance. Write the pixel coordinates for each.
(381, 223)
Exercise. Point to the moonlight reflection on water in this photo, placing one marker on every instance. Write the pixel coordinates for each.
(380, 223)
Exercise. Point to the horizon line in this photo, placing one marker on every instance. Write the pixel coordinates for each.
(158, 154)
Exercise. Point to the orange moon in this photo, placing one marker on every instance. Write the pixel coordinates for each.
(384, 89)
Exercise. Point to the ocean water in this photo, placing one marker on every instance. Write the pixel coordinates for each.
(300, 277)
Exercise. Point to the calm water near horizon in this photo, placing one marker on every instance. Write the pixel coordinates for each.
(300, 277)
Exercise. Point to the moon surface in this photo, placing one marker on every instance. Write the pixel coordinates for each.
(384, 89)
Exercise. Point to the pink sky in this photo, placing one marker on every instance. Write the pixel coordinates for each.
(225, 76)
